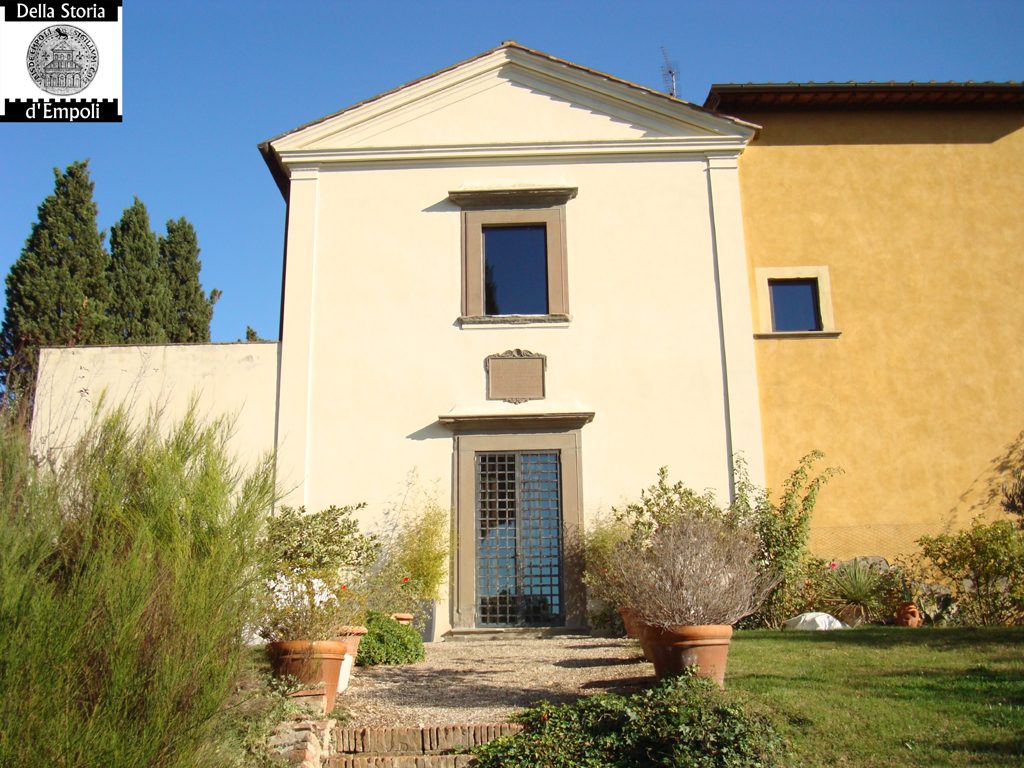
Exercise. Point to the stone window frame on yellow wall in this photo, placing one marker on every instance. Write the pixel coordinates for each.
(765, 275)
(512, 207)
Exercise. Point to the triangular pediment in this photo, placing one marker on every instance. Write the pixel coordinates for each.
(510, 96)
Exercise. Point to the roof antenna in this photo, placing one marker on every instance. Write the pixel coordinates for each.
(669, 70)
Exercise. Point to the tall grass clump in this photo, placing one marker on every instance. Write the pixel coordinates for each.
(127, 577)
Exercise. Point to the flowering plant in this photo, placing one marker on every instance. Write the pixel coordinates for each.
(413, 562)
(318, 582)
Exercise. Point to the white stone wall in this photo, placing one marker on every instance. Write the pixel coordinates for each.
(234, 380)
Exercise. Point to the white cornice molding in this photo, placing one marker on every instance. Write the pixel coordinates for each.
(696, 147)
(303, 171)
(722, 161)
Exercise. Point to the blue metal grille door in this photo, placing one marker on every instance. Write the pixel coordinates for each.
(519, 542)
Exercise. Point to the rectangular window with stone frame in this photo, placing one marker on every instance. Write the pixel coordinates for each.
(514, 260)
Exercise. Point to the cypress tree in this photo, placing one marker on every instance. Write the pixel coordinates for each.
(57, 290)
(191, 309)
(140, 303)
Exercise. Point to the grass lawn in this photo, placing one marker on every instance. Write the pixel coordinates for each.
(884, 696)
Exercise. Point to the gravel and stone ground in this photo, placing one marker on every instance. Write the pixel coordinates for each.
(485, 681)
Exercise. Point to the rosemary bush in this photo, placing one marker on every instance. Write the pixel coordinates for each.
(127, 576)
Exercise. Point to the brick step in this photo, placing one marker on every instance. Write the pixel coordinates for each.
(400, 761)
(432, 746)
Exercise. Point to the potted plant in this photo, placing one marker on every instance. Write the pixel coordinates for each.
(686, 582)
(312, 593)
(413, 563)
(854, 590)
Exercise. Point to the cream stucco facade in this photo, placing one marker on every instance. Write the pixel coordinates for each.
(381, 373)
(665, 226)
(647, 353)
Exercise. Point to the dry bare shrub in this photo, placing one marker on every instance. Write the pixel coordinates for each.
(692, 571)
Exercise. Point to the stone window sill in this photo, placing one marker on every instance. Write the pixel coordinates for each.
(491, 321)
(798, 335)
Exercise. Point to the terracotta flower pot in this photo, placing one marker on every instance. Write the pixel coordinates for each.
(909, 615)
(350, 636)
(316, 664)
(629, 622)
(634, 628)
(675, 648)
(404, 618)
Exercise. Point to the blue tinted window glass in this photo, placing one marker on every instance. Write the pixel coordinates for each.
(516, 270)
(795, 305)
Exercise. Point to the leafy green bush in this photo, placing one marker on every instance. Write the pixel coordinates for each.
(682, 721)
(388, 642)
(598, 551)
(984, 567)
(783, 528)
(664, 503)
(127, 577)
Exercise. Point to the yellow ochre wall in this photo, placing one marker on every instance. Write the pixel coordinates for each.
(919, 218)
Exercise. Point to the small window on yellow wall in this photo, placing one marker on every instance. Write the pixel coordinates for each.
(795, 301)
(795, 304)
(514, 264)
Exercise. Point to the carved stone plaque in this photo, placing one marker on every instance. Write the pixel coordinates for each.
(515, 376)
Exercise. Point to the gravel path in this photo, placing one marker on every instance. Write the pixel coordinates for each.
(484, 681)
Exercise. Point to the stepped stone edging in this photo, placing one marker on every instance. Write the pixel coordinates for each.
(417, 740)
(305, 743)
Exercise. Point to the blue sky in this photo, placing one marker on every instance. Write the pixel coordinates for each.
(205, 81)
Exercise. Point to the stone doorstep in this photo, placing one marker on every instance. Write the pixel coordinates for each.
(511, 633)
(412, 741)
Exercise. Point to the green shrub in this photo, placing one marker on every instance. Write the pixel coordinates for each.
(127, 578)
(422, 551)
(783, 528)
(388, 642)
(984, 568)
(682, 721)
(598, 551)
(664, 503)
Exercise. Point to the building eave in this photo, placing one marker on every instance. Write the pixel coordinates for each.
(742, 97)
